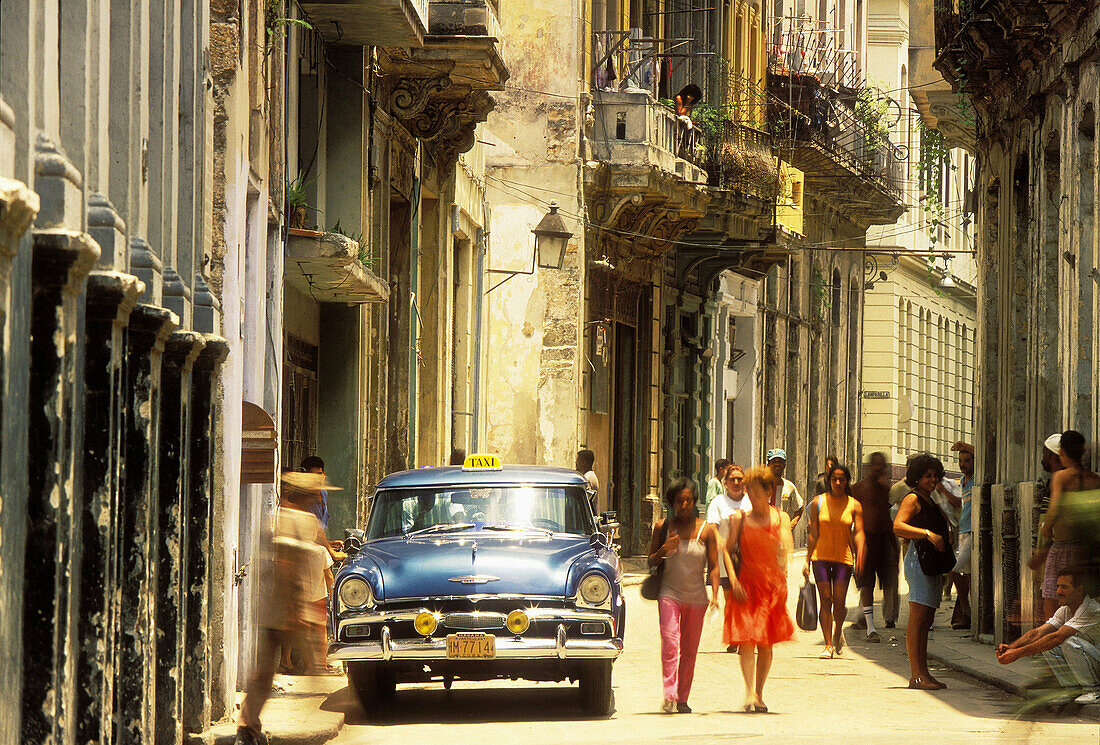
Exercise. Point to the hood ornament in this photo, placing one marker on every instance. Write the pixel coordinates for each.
(475, 579)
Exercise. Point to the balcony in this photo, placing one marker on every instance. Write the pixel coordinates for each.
(985, 47)
(940, 107)
(640, 174)
(326, 267)
(440, 91)
(390, 23)
(844, 157)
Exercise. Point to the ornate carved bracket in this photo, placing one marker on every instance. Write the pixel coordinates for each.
(410, 96)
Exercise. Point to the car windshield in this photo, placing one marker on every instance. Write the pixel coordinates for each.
(554, 509)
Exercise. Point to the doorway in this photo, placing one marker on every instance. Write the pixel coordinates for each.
(624, 460)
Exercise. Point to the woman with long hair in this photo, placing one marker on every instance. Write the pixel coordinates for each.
(921, 521)
(688, 546)
(760, 543)
(834, 548)
(1068, 545)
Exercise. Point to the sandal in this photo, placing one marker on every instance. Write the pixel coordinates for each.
(922, 684)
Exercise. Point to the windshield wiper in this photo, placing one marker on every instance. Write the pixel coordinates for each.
(442, 528)
(515, 529)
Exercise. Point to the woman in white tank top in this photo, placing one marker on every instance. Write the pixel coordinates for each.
(688, 546)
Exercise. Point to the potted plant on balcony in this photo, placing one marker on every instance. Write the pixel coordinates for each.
(298, 207)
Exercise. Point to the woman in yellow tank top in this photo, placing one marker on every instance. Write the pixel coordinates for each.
(834, 548)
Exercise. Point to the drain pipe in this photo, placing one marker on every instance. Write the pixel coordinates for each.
(481, 246)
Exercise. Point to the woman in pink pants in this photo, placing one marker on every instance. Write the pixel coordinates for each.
(688, 546)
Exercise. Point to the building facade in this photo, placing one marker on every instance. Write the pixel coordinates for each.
(627, 349)
(109, 583)
(919, 314)
(1023, 74)
(832, 130)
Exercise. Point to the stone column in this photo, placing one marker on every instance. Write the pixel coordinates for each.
(198, 517)
(18, 207)
(62, 257)
(110, 299)
(175, 445)
(59, 264)
(135, 689)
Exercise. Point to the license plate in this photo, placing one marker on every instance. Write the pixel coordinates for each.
(471, 646)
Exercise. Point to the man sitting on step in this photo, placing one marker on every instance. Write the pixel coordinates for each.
(1068, 640)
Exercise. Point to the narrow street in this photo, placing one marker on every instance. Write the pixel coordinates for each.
(859, 697)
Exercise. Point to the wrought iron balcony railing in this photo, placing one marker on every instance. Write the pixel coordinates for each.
(818, 129)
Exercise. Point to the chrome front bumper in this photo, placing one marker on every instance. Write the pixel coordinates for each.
(507, 648)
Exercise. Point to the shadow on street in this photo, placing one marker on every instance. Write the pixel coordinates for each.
(460, 705)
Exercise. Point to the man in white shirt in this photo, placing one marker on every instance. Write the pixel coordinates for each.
(786, 499)
(1068, 640)
(721, 508)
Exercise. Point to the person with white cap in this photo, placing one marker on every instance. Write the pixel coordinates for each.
(1040, 546)
(1061, 524)
(786, 498)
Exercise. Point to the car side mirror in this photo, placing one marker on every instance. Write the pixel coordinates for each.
(606, 518)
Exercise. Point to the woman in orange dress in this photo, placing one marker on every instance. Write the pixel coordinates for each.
(758, 618)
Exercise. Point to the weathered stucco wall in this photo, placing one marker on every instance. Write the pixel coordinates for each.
(534, 324)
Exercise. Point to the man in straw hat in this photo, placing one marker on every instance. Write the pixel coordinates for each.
(293, 590)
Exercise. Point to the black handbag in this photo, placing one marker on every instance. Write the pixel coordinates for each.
(651, 585)
(933, 562)
(805, 612)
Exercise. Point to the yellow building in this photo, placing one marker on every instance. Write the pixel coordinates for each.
(918, 364)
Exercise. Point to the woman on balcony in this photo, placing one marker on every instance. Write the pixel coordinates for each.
(685, 102)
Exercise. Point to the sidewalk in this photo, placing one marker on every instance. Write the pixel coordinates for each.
(299, 712)
(952, 649)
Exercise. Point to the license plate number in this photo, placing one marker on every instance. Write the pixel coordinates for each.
(471, 646)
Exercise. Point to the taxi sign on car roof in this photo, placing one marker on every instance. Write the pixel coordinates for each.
(482, 462)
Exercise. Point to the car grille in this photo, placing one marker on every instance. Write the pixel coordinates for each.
(474, 621)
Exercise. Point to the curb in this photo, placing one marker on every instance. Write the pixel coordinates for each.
(632, 580)
(1089, 711)
(977, 674)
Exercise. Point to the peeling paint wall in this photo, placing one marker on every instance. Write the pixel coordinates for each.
(534, 324)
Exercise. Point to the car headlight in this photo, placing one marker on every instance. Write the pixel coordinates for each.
(355, 593)
(517, 622)
(594, 589)
(425, 623)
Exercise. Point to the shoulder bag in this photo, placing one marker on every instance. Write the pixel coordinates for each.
(805, 612)
(933, 562)
(651, 585)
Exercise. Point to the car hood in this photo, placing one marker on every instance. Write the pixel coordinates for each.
(475, 563)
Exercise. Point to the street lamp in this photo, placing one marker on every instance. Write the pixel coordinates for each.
(551, 238)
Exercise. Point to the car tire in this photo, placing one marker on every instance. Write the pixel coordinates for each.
(595, 688)
(385, 683)
(364, 679)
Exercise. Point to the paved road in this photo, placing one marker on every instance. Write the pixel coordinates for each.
(858, 698)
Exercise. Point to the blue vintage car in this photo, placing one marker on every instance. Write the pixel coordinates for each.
(480, 572)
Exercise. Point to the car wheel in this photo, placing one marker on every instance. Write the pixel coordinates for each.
(595, 688)
(386, 683)
(363, 677)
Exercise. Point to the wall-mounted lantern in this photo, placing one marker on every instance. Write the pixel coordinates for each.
(551, 238)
